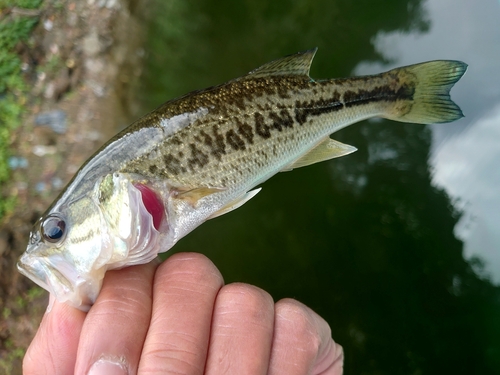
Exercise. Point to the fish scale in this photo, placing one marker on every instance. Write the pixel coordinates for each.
(199, 156)
(265, 127)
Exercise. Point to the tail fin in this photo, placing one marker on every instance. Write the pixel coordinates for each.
(432, 82)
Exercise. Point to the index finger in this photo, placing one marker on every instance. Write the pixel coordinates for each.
(185, 289)
(116, 325)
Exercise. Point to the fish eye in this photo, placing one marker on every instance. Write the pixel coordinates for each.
(53, 229)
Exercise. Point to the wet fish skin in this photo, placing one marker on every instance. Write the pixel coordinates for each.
(201, 155)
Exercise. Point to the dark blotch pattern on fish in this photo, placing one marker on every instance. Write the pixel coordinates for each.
(237, 100)
(303, 110)
(237, 121)
(260, 126)
(281, 120)
(198, 157)
(207, 140)
(172, 164)
(246, 131)
(377, 94)
(176, 141)
(215, 143)
(82, 238)
(219, 146)
(235, 141)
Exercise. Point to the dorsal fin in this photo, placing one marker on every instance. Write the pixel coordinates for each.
(293, 65)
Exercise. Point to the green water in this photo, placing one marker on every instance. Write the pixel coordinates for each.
(368, 241)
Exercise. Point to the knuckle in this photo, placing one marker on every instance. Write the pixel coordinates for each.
(293, 320)
(189, 267)
(125, 300)
(246, 297)
(171, 360)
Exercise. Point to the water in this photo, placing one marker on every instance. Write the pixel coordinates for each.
(395, 246)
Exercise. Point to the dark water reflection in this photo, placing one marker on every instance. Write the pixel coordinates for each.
(367, 240)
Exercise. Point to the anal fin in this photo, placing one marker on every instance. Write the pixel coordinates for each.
(236, 203)
(327, 149)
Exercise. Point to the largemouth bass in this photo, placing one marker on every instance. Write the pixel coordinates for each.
(199, 156)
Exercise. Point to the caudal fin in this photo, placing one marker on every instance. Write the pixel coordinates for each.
(431, 83)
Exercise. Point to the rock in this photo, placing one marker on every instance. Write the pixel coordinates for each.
(40, 187)
(48, 25)
(97, 88)
(49, 90)
(42, 150)
(110, 4)
(94, 66)
(55, 119)
(57, 183)
(16, 162)
(91, 44)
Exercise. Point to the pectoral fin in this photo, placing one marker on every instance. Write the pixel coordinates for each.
(326, 150)
(192, 196)
(236, 203)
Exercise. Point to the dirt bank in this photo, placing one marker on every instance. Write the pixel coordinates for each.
(82, 63)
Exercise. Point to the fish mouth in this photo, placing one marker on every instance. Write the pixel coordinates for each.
(42, 272)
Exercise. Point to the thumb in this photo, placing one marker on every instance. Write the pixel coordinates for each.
(53, 350)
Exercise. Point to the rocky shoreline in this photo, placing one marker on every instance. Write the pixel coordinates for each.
(82, 63)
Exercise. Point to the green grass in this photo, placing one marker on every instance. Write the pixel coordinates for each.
(14, 354)
(14, 29)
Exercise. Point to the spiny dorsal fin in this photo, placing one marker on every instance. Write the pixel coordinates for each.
(326, 150)
(293, 65)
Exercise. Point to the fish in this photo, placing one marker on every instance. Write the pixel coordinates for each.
(204, 154)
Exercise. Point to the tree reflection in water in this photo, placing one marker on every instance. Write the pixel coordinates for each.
(365, 240)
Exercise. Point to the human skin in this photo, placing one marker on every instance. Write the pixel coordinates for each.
(178, 317)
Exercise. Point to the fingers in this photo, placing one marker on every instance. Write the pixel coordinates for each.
(53, 350)
(116, 326)
(302, 342)
(183, 320)
(185, 289)
(242, 331)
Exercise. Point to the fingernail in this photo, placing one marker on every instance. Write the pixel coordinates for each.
(108, 367)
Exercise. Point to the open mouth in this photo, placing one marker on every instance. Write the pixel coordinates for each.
(40, 271)
(35, 270)
(59, 277)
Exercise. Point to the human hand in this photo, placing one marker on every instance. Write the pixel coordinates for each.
(178, 317)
